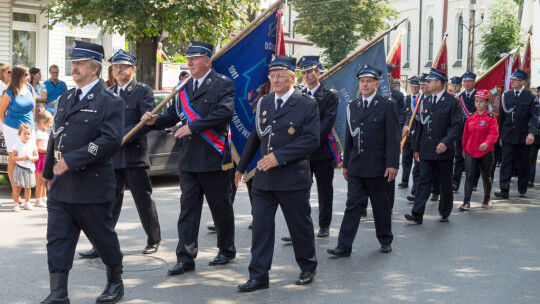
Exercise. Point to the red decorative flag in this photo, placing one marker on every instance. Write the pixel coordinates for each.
(527, 61)
(395, 62)
(442, 62)
(494, 81)
(516, 64)
(280, 38)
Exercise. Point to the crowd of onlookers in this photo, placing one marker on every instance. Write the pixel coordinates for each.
(26, 107)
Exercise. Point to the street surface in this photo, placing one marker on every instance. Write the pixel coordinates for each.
(480, 256)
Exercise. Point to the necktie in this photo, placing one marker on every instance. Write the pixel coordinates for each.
(121, 92)
(76, 99)
(365, 104)
(468, 95)
(279, 104)
(309, 93)
(517, 93)
(434, 99)
(196, 86)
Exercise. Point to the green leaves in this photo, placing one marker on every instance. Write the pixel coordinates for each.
(337, 26)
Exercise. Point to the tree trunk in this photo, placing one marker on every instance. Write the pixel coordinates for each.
(146, 60)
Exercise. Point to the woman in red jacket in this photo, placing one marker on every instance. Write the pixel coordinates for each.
(479, 135)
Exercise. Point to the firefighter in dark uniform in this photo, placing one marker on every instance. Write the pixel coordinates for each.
(370, 162)
(534, 153)
(79, 173)
(518, 124)
(466, 101)
(324, 159)
(205, 108)
(407, 153)
(434, 147)
(286, 131)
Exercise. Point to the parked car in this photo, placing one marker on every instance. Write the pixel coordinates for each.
(162, 145)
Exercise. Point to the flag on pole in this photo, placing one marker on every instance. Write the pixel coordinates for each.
(246, 63)
(442, 60)
(494, 80)
(526, 66)
(345, 82)
(395, 59)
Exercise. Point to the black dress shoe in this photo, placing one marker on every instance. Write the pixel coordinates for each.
(90, 254)
(323, 232)
(221, 259)
(339, 252)
(522, 195)
(286, 239)
(455, 188)
(502, 194)
(434, 197)
(443, 219)
(413, 218)
(306, 277)
(211, 228)
(363, 213)
(180, 268)
(403, 185)
(149, 249)
(474, 188)
(411, 198)
(530, 184)
(386, 248)
(252, 285)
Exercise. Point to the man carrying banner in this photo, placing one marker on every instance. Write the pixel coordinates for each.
(286, 131)
(407, 153)
(455, 83)
(205, 106)
(466, 101)
(518, 124)
(370, 162)
(434, 148)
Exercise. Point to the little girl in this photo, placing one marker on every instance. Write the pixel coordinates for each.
(43, 122)
(24, 154)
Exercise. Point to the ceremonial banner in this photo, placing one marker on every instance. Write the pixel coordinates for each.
(345, 82)
(494, 81)
(395, 59)
(442, 62)
(246, 63)
(527, 61)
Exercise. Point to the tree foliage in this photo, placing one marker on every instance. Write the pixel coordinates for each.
(338, 25)
(144, 21)
(501, 33)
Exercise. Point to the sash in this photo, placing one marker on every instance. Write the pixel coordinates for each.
(464, 107)
(332, 142)
(413, 104)
(211, 136)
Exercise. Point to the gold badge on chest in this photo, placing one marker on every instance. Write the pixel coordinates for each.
(291, 130)
(264, 120)
(264, 113)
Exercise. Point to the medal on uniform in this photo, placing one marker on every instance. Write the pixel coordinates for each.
(264, 113)
(291, 130)
(425, 111)
(264, 120)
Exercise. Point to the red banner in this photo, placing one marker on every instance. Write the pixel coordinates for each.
(442, 63)
(395, 62)
(527, 61)
(280, 39)
(494, 83)
(516, 64)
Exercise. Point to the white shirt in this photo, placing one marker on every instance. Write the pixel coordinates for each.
(285, 97)
(86, 88)
(438, 96)
(24, 149)
(123, 88)
(44, 136)
(369, 99)
(200, 80)
(314, 89)
(3, 87)
(468, 94)
(519, 92)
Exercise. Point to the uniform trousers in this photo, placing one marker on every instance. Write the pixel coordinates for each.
(521, 151)
(138, 181)
(358, 190)
(64, 224)
(532, 166)
(472, 164)
(297, 213)
(407, 156)
(443, 168)
(324, 175)
(459, 163)
(415, 176)
(216, 187)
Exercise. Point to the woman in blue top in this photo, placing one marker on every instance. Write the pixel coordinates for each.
(16, 107)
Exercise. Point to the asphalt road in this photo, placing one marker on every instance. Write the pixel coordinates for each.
(480, 256)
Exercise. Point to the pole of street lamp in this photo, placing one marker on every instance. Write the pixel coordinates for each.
(472, 28)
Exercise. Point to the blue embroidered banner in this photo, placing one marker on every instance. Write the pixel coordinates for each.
(246, 63)
(345, 82)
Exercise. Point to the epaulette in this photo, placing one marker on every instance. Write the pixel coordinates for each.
(66, 93)
(333, 90)
(490, 114)
(222, 76)
(309, 96)
(111, 93)
(141, 84)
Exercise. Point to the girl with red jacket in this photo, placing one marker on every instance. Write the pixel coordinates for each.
(479, 135)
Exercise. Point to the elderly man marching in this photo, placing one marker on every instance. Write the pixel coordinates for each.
(79, 171)
(286, 131)
(370, 162)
